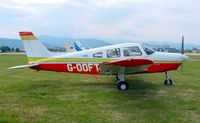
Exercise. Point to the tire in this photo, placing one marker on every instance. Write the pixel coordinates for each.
(123, 85)
(168, 82)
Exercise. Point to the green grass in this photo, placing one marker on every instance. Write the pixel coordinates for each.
(30, 96)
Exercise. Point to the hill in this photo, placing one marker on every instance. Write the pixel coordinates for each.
(52, 42)
(172, 44)
(61, 42)
(13, 43)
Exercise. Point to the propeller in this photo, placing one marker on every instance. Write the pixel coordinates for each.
(182, 51)
(182, 46)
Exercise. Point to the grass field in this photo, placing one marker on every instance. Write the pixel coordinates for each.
(30, 96)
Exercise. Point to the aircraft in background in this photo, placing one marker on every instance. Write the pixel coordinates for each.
(119, 60)
(75, 47)
(78, 46)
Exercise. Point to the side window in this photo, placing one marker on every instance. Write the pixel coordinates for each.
(113, 53)
(132, 51)
(98, 55)
(85, 55)
(148, 50)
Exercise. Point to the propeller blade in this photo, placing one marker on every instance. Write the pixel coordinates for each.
(182, 46)
(182, 51)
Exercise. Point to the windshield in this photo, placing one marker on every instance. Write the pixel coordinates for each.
(148, 51)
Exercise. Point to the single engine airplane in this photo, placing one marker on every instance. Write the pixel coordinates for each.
(118, 60)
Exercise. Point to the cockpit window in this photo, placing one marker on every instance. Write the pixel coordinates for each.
(132, 51)
(148, 51)
(113, 53)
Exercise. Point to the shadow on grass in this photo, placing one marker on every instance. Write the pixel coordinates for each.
(137, 84)
(140, 93)
(139, 89)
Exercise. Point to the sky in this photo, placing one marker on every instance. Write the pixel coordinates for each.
(131, 20)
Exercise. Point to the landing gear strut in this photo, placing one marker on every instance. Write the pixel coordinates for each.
(121, 84)
(167, 81)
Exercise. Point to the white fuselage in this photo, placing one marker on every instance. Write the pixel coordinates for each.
(155, 56)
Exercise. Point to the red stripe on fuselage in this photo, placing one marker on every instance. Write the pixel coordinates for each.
(94, 68)
(82, 68)
(162, 67)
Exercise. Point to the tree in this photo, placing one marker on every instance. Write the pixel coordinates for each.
(17, 50)
(13, 50)
(5, 49)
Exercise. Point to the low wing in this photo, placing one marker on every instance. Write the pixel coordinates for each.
(23, 66)
(126, 66)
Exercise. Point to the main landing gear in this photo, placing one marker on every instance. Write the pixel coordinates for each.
(121, 84)
(167, 81)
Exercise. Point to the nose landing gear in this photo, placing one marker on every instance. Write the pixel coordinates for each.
(167, 81)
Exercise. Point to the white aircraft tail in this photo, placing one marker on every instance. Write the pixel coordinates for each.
(33, 47)
(78, 46)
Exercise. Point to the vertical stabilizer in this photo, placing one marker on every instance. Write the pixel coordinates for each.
(33, 47)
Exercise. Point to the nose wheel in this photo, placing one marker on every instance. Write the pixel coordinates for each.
(167, 81)
(121, 84)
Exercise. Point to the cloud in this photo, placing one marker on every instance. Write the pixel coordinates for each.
(31, 2)
(123, 28)
(111, 19)
(12, 32)
(106, 3)
(113, 3)
(20, 8)
(31, 6)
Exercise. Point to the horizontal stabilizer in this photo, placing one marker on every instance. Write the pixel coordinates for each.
(22, 66)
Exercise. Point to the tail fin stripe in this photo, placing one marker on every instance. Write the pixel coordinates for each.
(26, 34)
(28, 38)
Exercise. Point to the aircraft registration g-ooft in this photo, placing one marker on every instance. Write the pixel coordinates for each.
(119, 60)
